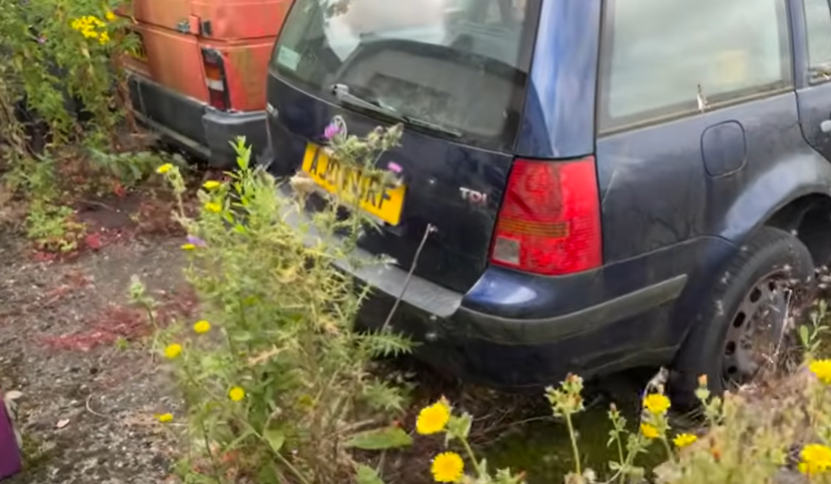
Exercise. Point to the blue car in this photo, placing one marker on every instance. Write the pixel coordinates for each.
(612, 183)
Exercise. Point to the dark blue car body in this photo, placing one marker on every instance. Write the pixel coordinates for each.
(678, 200)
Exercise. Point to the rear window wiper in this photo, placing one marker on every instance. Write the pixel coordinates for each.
(342, 94)
(420, 123)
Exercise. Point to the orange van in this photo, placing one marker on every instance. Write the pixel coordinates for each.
(199, 76)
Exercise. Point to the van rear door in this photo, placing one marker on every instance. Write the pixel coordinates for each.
(169, 33)
(243, 33)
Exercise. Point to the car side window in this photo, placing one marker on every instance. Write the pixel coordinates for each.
(818, 26)
(669, 58)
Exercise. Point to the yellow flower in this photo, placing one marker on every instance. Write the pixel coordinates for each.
(432, 419)
(103, 38)
(656, 403)
(165, 417)
(236, 394)
(109, 16)
(164, 168)
(202, 327)
(816, 459)
(211, 184)
(822, 369)
(213, 207)
(448, 467)
(188, 247)
(649, 431)
(173, 351)
(683, 440)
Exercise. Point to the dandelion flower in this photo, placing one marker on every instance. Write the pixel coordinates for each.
(165, 417)
(816, 459)
(822, 370)
(104, 38)
(164, 168)
(656, 403)
(188, 246)
(236, 394)
(649, 431)
(110, 16)
(202, 327)
(448, 467)
(213, 207)
(173, 351)
(432, 419)
(683, 440)
(211, 185)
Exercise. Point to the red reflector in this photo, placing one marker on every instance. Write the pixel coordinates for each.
(549, 222)
(217, 99)
(214, 67)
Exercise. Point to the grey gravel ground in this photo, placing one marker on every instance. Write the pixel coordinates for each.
(89, 396)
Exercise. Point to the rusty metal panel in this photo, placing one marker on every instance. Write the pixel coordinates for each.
(242, 32)
(175, 61)
(246, 65)
(240, 19)
(169, 14)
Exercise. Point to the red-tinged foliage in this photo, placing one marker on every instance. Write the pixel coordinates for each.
(43, 256)
(181, 303)
(124, 323)
(93, 241)
(112, 324)
(118, 189)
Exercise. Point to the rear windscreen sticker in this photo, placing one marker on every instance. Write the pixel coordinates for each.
(288, 58)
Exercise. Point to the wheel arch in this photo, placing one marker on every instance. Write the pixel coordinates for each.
(808, 217)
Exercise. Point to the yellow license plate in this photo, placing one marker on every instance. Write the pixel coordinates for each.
(382, 202)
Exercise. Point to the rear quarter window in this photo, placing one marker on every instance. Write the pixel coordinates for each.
(668, 58)
(818, 26)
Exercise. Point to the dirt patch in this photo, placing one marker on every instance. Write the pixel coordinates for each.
(71, 344)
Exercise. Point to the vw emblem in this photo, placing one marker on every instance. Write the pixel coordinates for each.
(339, 125)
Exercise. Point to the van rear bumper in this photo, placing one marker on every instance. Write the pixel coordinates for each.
(193, 125)
(501, 350)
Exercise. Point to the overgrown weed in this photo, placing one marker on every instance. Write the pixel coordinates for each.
(62, 112)
(278, 385)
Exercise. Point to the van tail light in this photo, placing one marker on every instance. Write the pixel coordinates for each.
(215, 79)
(549, 222)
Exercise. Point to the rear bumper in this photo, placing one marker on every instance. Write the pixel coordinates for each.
(193, 125)
(501, 350)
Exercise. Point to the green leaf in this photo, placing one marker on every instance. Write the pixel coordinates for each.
(276, 438)
(367, 475)
(380, 439)
(803, 334)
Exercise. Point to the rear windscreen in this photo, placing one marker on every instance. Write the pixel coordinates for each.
(458, 64)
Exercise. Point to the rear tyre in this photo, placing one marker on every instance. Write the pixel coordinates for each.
(742, 335)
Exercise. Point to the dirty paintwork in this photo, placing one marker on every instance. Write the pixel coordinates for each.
(242, 19)
(173, 60)
(242, 32)
(245, 66)
(679, 197)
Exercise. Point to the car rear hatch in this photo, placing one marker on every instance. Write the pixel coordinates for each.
(454, 72)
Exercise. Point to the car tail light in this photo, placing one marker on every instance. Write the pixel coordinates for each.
(215, 79)
(549, 222)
